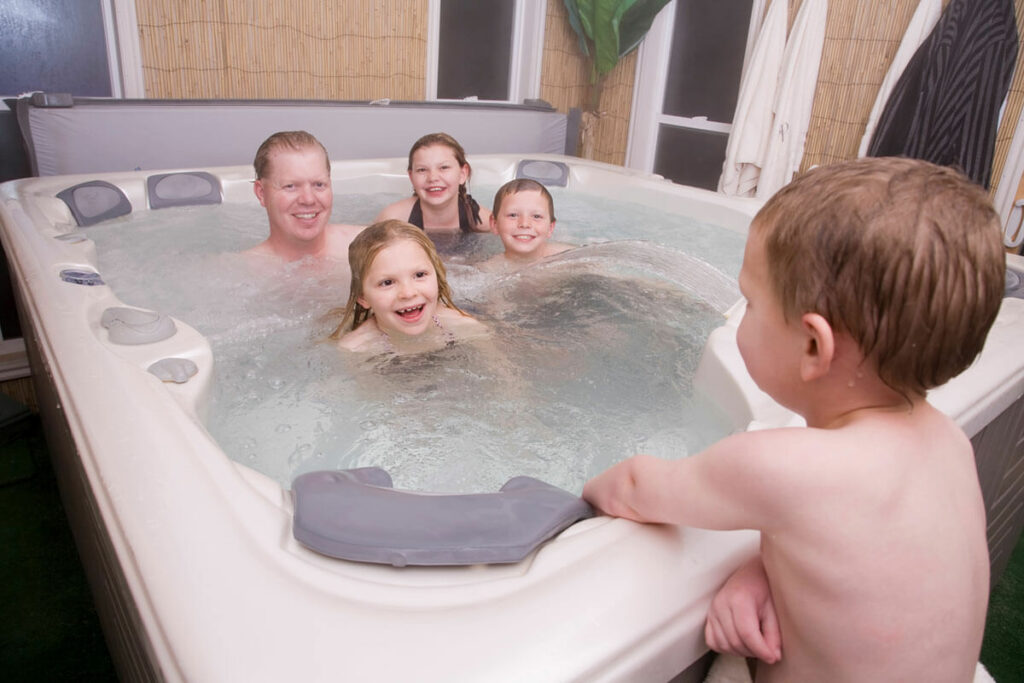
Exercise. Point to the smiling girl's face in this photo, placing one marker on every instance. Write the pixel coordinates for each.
(400, 287)
(435, 174)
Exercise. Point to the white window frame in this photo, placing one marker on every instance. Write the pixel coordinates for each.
(527, 50)
(649, 89)
(124, 54)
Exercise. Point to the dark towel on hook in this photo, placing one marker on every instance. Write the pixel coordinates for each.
(945, 106)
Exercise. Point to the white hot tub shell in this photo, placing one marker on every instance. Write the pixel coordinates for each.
(190, 555)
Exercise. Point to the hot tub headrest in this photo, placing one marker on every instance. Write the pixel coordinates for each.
(545, 172)
(182, 188)
(94, 201)
(356, 515)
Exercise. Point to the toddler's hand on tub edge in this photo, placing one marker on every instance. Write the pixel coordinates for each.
(742, 619)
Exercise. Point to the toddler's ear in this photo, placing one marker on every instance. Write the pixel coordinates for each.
(494, 225)
(819, 347)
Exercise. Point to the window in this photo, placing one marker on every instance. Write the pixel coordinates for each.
(687, 86)
(463, 68)
(487, 49)
(41, 52)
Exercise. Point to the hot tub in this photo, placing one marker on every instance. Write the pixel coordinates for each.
(190, 555)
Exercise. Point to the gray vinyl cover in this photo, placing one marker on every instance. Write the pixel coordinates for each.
(95, 201)
(185, 188)
(357, 515)
(97, 135)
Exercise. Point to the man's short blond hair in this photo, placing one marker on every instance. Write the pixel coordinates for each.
(296, 140)
(903, 255)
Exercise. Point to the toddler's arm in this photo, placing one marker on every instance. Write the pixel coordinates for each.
(742, 619)
(750, 480)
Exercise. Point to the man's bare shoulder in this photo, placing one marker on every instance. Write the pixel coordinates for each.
(346, 229)
(339, 237)
(262, 250)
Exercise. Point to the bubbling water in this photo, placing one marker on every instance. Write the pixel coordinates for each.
(591, 357)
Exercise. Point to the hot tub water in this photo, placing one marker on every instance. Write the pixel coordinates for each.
(591, 359)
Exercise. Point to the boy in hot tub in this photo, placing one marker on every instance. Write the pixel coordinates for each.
(867, 283)
(293, 183)
(524, 219)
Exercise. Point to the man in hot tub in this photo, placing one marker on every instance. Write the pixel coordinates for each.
(293, 183)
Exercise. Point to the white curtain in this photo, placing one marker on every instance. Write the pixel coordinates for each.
(794, 98)
(751, 125)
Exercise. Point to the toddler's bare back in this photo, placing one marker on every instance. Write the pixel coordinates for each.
(881, 571)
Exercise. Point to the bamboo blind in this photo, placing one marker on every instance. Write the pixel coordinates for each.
(1012, 110)
(287, 49)
(368, 49)
(565, 83)
(861, 39)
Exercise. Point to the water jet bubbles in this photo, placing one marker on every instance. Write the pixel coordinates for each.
(299, 454)
(282, 428)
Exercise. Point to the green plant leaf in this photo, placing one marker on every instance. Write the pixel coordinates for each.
(575, 21)
(635, 22)
(610, 29)
(606, 34)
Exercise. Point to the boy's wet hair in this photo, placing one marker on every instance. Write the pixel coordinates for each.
(523, 185)
(296, 140)
(903, 255)
(361, 254)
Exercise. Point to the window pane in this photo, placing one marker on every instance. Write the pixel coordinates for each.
(706, 62)
(475, 49)
(53, 45)
(689, 156)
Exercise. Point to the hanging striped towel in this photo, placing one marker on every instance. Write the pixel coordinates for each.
(945, 107)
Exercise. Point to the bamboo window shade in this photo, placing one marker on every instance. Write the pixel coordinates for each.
(284, 49)
(861, 39)
(369, 49)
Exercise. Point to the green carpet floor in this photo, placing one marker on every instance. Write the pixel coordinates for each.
(50, 631)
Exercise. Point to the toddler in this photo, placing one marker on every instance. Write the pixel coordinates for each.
(867, 283)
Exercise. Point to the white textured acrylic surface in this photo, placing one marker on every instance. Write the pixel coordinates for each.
(225, 593)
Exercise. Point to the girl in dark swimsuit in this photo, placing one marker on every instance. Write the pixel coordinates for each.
(439, 173)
